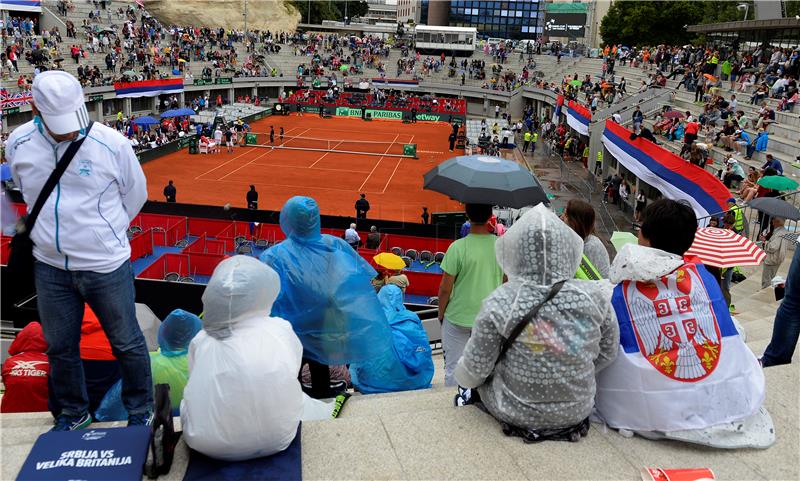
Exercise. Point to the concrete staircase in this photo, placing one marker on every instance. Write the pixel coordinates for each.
(421, 435)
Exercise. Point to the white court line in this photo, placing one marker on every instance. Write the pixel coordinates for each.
(240, 182)
(245, 165)
(378, 162)
(314, 168)
(258, 157)
(323, 155)
(351, 131)
(252, 149)
(399, 161)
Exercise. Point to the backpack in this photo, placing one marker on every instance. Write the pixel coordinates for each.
(163, 437)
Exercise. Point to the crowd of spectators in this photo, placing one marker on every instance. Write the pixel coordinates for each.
(492, 288)
(377, 99)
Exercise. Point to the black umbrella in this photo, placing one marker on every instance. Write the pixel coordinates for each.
(481, 179)
(776, 208)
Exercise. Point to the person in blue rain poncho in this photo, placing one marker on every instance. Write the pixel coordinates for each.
(408, 365)
(169, 365)
(326, 294)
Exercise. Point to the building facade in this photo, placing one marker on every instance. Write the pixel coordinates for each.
(434, 12)
(381, 11)
(510, 19)
(589, 14)
(408, 10)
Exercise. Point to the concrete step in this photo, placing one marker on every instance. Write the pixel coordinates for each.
(718, 155)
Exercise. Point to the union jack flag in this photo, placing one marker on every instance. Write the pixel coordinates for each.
(9, 100)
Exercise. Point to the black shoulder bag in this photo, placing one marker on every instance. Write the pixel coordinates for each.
(20, 261)
(570, 433)
(473, 397)
(527, 319)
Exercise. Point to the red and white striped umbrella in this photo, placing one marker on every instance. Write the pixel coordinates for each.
(725, 248)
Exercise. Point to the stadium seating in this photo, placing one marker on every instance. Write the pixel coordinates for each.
(784, 134)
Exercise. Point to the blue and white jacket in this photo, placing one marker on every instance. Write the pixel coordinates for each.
(82, 225)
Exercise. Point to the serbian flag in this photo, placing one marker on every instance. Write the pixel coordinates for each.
(557, 111)
(148, 88)
(674, 177)
(23, 5)
(578, 117)
(681, 363)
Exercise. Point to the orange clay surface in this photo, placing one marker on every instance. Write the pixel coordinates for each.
(393, 185)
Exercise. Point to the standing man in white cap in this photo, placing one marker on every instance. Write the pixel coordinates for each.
(81, 248)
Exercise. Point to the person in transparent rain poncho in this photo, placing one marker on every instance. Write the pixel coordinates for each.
(546, 379)
(243, 399)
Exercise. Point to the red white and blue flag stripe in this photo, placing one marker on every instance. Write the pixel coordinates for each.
(557, 111)
(679, 353)
(18, 99)
(148, 88)
(22, 5)
(674, 177)
(578, 117)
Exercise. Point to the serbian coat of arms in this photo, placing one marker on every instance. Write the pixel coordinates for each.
(675, 325)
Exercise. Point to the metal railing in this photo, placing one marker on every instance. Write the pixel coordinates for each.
(570, 175)
(58, 19)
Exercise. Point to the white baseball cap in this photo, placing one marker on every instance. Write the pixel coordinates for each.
(59, 98)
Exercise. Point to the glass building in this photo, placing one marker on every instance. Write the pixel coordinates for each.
(517, 19)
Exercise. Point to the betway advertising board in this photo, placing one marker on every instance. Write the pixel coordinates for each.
(395, 115)
(571, 25)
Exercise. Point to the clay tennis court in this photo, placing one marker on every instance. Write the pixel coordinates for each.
(393, 184)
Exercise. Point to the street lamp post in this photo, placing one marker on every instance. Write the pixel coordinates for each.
(245, 19)
(745, 7)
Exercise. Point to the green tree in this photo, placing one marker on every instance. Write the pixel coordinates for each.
(354, 9)
(663, 22)
(792, 7)
(328, 10)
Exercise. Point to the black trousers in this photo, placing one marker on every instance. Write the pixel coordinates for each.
(320, 379)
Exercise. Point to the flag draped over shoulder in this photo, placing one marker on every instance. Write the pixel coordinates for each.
(681, 363)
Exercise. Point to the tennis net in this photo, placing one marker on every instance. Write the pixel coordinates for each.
(360, 147)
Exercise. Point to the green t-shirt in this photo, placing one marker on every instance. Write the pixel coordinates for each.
(172, 370)
(472, 262)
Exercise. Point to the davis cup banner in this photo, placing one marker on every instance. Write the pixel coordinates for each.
(578, 117)
(148, 88)
(674, 177)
